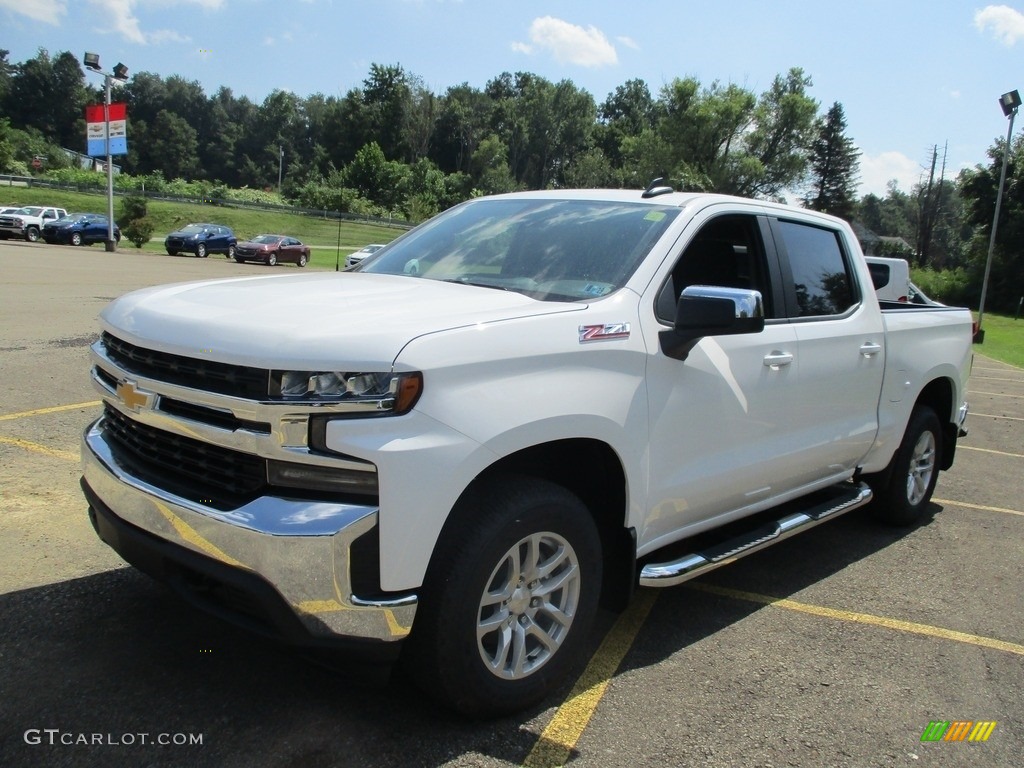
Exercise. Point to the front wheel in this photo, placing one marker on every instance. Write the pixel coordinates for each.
(32, 234)
(76, 238)
(272, 260)
(903, 498)
(201, 250)
(509, 598)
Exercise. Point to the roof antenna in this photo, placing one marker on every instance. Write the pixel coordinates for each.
(653, 190)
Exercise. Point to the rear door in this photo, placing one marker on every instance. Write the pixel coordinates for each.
(841, 345)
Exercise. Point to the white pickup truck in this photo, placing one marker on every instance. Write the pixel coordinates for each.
(27, 223)
(527, 406)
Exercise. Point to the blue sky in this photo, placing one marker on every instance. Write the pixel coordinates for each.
(909, 73)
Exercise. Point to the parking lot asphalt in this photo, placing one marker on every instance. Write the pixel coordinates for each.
(838, 647)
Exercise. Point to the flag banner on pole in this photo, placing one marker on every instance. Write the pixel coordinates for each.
(96, 134)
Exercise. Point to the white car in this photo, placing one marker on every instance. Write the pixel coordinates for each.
(357, 256)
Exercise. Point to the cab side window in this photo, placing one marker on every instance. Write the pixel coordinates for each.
(821, 277)
(726, 252)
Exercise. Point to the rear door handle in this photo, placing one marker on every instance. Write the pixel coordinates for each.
(776, 360)
(870, 349)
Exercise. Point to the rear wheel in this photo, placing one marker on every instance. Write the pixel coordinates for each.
(201, 250)
(302, 260)
(231, 252)
(903, 498)
(509, 598)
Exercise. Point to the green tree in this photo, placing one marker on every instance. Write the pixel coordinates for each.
(704, 130)
(979, 186)
(627, 112)
(172, 146)
(783, 131)
(49, 95)
(833, 166)
(6, 149)
(376, 178)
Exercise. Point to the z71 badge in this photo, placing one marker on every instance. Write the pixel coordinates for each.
(605, 332)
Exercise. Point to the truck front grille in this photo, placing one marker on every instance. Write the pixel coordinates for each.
(208, 474)
(208, 375)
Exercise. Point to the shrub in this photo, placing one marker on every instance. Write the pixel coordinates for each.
(138, 231)
(950, 286)
(133, 207)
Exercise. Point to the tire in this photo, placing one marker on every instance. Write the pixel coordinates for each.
(272, 260)
(903, 497)
(239, 261)
(302, 260)
(76, 238)
(171, 253)
(231, 252)
(201, 250)
(509, 597)
(32, 234)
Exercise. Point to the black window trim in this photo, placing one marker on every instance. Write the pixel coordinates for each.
(786, 271)
(772, 264)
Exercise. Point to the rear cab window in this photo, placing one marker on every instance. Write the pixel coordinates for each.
(820, 283)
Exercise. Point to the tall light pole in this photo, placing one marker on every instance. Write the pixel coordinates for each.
(1010, 102)
(280, 168)
(120, 73)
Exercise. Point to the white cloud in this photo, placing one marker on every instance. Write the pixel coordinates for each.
(876, 171)
(629, 42)
(126, 22)
(569, 43)
(1005, 23)
(47, 11)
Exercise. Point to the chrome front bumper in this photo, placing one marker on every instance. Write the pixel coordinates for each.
(300, 548)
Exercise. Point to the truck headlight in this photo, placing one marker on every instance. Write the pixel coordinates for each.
(368, 394)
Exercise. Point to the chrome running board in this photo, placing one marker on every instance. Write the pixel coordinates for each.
(847, 496)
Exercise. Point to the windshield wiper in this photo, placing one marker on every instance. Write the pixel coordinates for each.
(464, 281)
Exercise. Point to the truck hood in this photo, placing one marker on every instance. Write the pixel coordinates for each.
(311, 321)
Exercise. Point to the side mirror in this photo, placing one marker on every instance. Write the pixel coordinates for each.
(707, 310)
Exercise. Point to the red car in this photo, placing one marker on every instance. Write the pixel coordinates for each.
(272, 250)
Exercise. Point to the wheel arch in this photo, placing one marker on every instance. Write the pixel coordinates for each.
(593, 472)
(938, 395)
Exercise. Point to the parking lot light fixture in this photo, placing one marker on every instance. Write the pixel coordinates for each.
(1010, 103)
(120, 73)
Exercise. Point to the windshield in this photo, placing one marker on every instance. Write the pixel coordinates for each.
(268, 239)
(193, 229)
(553, 250)
(31, 211)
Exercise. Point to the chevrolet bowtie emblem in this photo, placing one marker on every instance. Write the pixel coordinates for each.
(133, 398)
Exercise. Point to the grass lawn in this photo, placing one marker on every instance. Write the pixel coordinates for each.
(1004, 339)
(323, 234)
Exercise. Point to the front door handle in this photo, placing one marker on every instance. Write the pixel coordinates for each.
(776, 360)
(870, 349)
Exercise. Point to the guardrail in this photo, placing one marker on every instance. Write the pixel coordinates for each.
(99, 189)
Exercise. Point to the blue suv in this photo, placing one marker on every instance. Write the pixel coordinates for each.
(202, 240)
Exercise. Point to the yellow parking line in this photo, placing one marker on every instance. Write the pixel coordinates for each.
(992, 394)
(37, 448)
(990, 416)
(862, 618)
(54, 409)
(989, 450)
(557, 741)
(977, 506)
